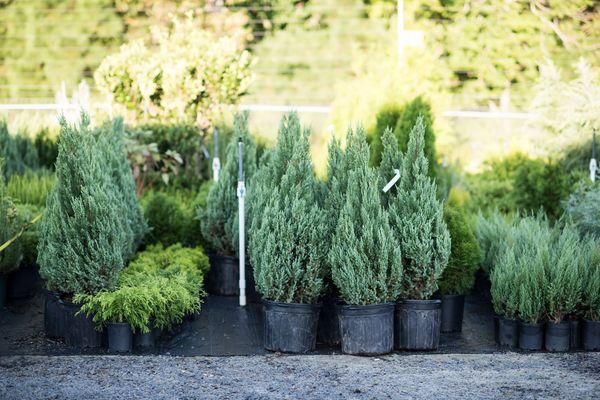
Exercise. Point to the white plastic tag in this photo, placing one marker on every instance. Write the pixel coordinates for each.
(392, 182)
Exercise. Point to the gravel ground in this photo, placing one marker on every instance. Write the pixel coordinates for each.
(425, 376)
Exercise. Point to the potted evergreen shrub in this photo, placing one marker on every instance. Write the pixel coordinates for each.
(82, 235)
(219, 219)
(11, 255)
(287, 240)
(568, 261)
(591, 301)
(416, 216)
(459, 275)
(505, 298)
(365, 259)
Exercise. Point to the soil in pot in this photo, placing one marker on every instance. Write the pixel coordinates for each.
(54, 326)
(2, 291)
(591, 335)
(418, 324)
(367, 330)
(453, 306)
(531, 336)
(22, 282)
(120, 337)
(557, 336)
(290, 327)
(508, 332)
(575, 334)
(328, 331)
(80, 330)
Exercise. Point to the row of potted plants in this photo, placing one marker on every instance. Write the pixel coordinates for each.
(545, 285)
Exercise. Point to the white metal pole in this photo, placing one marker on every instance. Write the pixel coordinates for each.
(216, 164)
(593, 162)
(241, 192)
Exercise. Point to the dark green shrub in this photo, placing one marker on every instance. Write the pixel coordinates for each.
(416, 216)
(47, 149)
(365, 258)
(167, 218)
(10, 225)
(287, 240)
(81, 234)
(32, 187)
(404, 129)
(387, 118)
(109, 139)
(465, 254)
(219, 219)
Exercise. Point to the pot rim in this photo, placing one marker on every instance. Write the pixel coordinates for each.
(413, 301)
(271, 303)
(561, 323)
(119, 324)
(530, 325)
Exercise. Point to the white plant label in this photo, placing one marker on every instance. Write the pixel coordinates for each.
(392, 181)
(216, 166)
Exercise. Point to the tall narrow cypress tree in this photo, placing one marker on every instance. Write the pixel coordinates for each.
(288, 226)
(391, 159)
(219, 219)
(417, 218)
(81, 235)
(110, 143)
(365, 258)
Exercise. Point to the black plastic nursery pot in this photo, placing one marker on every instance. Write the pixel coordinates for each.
(120, 337)
(21, 283)
(2, 291)
(328, 330)
(54, 321)
(453, 306)
(79, 330)
(591, 335)
(496, 328)
(367, 330)
(223, 277)
(143, 340)
(531, 336)
(575, 334)
(418, 324)
(508, 332)
(558, 336)
(290, 327)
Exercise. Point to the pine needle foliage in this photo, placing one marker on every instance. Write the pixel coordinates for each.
(288, 226)
(491, 233)
(9, 227)
(465, 254)
(110, 142)
(365, 257)
(391, 159)
(567, 264)
(416, 216)
(219, 219)
(81, 234)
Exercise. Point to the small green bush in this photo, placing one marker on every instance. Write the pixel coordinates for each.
(416, 216)
(492, 233)
(387, 118)
(168, 218)
(9, 227)
(566, 267)
(219, 219)
(288, 228)
(32, 187)
(365, 258)
(465, 254)
(81, 234)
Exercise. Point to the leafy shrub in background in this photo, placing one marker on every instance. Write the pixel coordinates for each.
(9, 227)
(365, 258)
(387, 118)
(167, 218)
(81, 234)
(32, 187)
(29, 239)
(219, 220)
(416, 216)
(109, 138)
(465, 254)
(17, 151)
(583, 208)
(566, 270)
(47, 148)
(492, 233)
(288, 227)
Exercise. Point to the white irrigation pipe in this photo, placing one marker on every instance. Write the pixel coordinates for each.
(241, 193)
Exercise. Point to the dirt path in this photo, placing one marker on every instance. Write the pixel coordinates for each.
(427, 376)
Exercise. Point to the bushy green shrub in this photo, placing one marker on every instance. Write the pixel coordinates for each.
(29, 239)
(391, 160)
(9, 227)
(590, 304)
(169, 219)
(387, 118)
(492, 233)
(109, 138)
(47, 148)
(365, 257)
(566, 269)
(583, 208)
(32, 187)
(219, 220)
(288, 227)
(416, 216)
(465, 254)
(81, 234)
